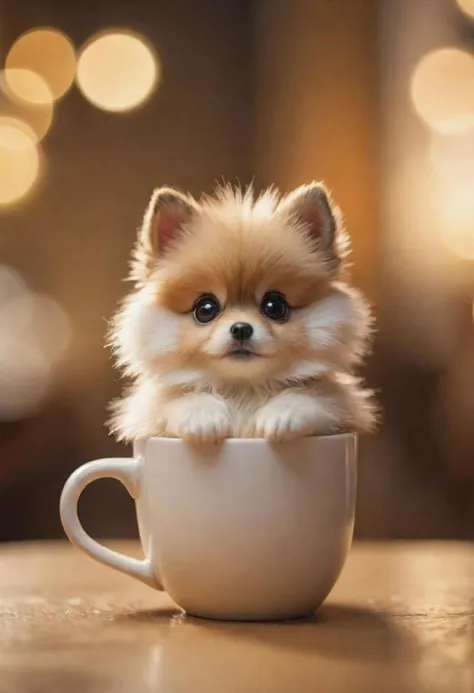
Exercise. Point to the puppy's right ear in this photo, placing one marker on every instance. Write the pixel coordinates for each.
(166, 218)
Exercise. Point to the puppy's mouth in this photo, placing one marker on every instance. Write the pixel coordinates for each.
(242, 353)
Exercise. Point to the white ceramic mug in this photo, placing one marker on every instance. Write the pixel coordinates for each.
(246, 530)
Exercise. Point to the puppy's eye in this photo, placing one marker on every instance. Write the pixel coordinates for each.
(206, 309)
(275, 307)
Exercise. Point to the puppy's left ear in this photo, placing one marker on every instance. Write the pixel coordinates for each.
(311, 209)
(166, 219)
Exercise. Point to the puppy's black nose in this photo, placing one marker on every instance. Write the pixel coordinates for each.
(241, 331)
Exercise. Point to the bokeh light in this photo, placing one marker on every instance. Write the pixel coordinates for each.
(37, 117)
(41, 320)
(25, 380)
(458, 221)
(453, 157)
(442, 90)
(35, 331)
(46, 52)
(12, 284)
(26, 85)
(19, 161)
(117, 71)
(467, 6)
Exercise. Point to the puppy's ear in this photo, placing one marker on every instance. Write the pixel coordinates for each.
(166, 218)
(311, 209)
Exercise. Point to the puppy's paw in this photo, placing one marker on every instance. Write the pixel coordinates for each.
(281, 422)
(287, 417)
(199, 419)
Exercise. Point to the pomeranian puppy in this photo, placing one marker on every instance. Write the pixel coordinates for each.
(241, 323)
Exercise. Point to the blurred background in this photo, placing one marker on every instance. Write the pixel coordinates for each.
(100, 102)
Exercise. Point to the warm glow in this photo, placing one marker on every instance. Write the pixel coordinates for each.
(35, 331)
(442, 90)
(27, 86)
(467, 6)
(453, 157)
(117, 71)
(39, 320)
(36, 117)
(458, 226)
(12, 284)
(50, 327)
(19, 161)
(46, 52)
(18, 124)
(25, 380)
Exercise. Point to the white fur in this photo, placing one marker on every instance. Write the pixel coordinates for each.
(338, 326)
(182, 377)
(294, 414)
(198, 418)
(143, 332)
(141, 413)
(303, 370)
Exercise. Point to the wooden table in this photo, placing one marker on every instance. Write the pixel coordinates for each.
(400, 619)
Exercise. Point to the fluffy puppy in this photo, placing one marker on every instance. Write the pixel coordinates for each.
(241, 323)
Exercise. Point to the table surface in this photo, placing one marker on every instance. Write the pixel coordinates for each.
(401, 618)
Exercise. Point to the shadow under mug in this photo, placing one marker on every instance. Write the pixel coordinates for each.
(243, 531)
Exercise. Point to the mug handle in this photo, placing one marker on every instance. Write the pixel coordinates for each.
(125, 471)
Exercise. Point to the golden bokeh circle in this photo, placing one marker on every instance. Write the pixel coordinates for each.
(458, 227)
(467, 6)
(442, 90)
(47, 52)
(19, 125)
(26, 86)
(38, 117)
(19, 161)
(452, 157)
(117, 71)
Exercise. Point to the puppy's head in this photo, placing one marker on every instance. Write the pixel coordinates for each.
(240, 290)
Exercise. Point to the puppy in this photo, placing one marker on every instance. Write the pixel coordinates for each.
(241, 323)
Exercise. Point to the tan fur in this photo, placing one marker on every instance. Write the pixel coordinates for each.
(238, 248)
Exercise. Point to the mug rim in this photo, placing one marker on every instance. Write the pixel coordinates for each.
(260, 441)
